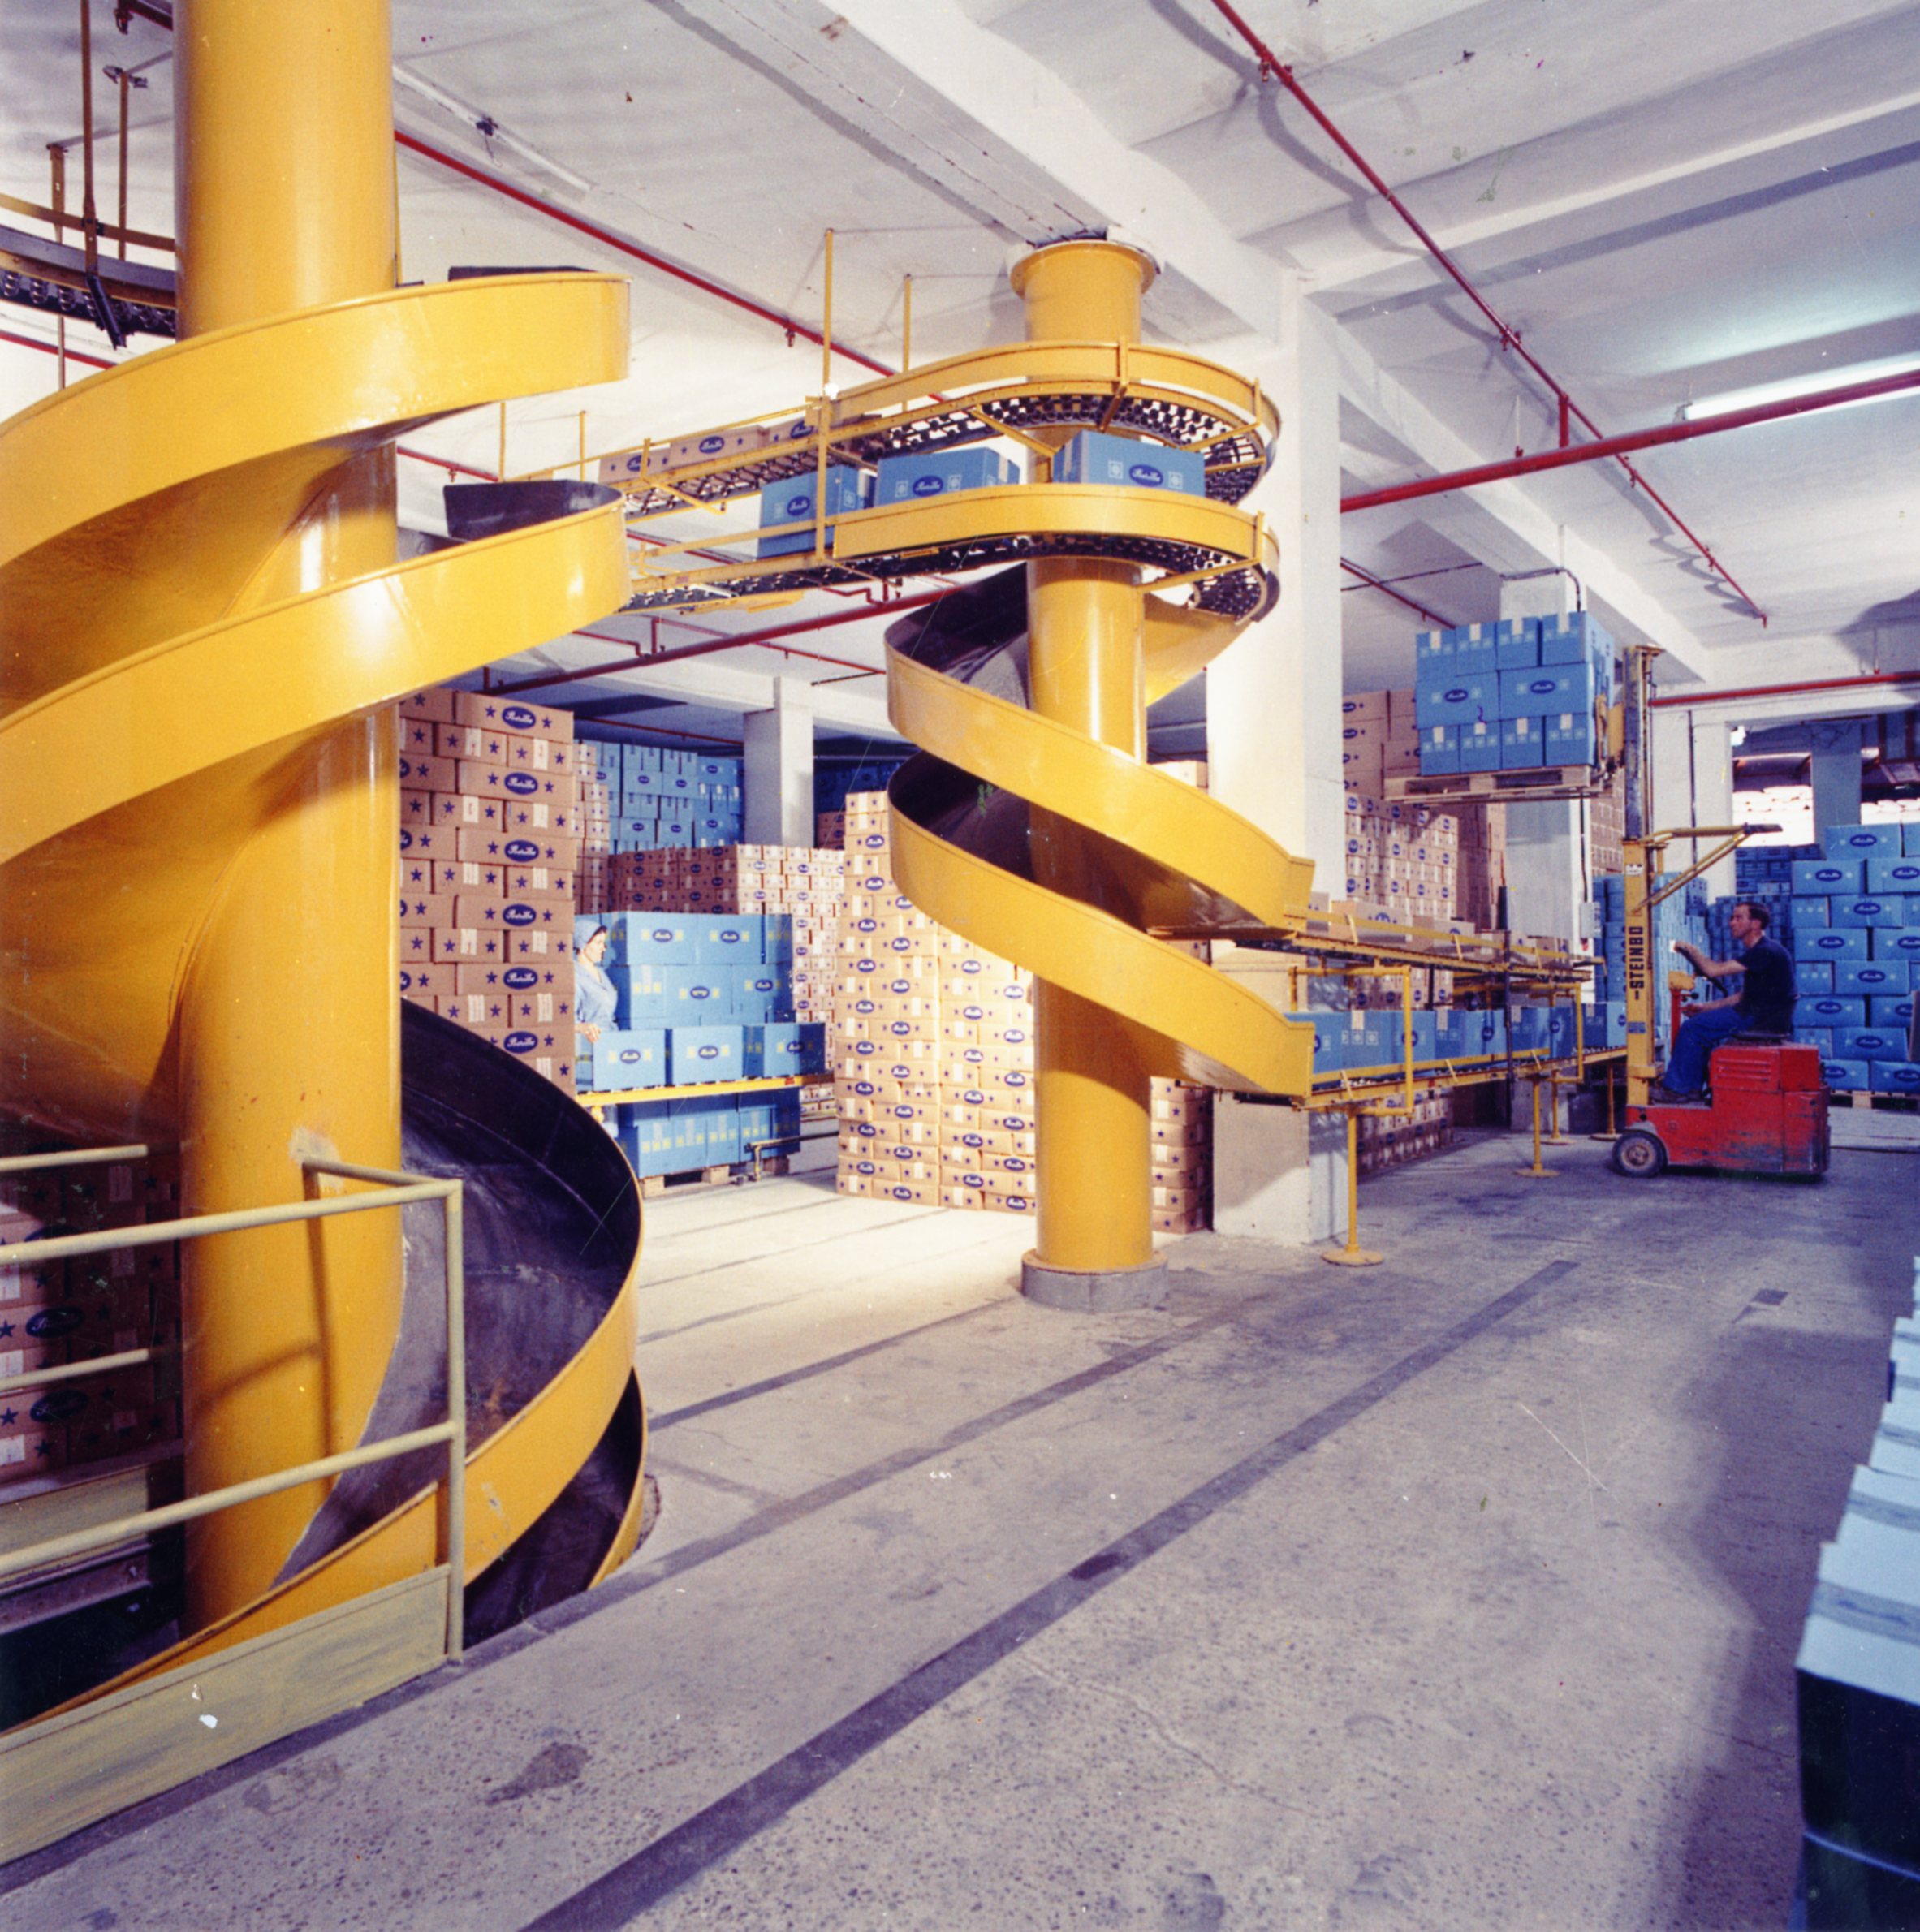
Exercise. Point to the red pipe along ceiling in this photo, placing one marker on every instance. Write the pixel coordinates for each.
(1272, 66)
(1692, 700)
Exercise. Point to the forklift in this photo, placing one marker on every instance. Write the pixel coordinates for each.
(1766, 1107)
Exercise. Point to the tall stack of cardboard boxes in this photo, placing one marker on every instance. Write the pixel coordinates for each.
(56, 1313)
(597, 802)
(1403, 859)
(490, 836)
(1379, 740)
(1511, 695)
(932, 1051)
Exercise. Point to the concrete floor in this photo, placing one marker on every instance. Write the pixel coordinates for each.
(1463, 1591)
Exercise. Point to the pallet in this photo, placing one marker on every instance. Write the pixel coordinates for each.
(1879, 1103)
(1498, 787)
(651, 1186)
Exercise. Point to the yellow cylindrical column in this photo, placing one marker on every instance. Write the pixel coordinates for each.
(287, 1018)
(1086, 633)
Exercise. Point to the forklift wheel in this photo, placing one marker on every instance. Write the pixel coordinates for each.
(1638, 1153)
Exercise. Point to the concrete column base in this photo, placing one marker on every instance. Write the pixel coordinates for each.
(1094, 1291)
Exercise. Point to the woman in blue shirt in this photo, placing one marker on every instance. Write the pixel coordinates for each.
(596, 1005)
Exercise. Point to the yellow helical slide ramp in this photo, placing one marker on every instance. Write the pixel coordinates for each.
(1034, 826)
(203, 630)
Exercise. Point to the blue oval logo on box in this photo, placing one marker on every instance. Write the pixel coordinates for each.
(1015, 1077)
(1861, 841)
(709, 1053)
(972, 1180)
(797, 506)
(1869, 975)
(518, 915)
(730, 935)
(406, 840)
(928, 486)
(866, 1047)
(973, 1013)
(1457, 696)
(1868, 907)
(59, 1405)
(700, 992)
(1014, 1036)
(1016, 1204)
(761, 986)
(900, 1028)
(523, 782)
(520, 1042)
(51, 1323)
(518, 717)
(901, 945)
(520, 979)
(1146, 474)
(1012, 1164)
(866, 965)
(973, 1097)
(1830, 940)
(523, 851)
(711, 446)
(632, 1056)
(1542, 686)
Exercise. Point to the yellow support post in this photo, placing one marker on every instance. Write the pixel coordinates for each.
(1537, 1172)
(1555, 1137)
(1087, 628)
(1352, 1255)
(288, 1027)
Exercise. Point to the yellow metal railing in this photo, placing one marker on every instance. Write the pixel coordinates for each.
(398, 1190)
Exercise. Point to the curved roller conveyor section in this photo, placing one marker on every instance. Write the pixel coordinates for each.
(153, 702)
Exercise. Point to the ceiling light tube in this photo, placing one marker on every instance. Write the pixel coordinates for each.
(1790, 388)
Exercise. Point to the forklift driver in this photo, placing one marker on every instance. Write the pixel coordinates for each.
(1765, 1004)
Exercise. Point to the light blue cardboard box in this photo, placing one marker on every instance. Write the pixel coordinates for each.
(942, 473)
(1862, 842)
(1831, 1010)
(1831, 943)
(1895, 1077)
(1546, 690)
(784, 1048)
(1517, 643)
(791, 502)
(1440, 750)
(1871, 979)
(654, 938)
(1887, 876)
(1837, 877)
(1866, 913)
(1813, 976)
(726, 942)
(1891, 1011)
(1091, 457)
(1805, 914)
(1847, 1076)
(1890, 946)
(1480, 745)
(1571, 738)
(1460, 700)
(1523, 743)
(703, 1053)
(632, 1057)
(1869, 1043)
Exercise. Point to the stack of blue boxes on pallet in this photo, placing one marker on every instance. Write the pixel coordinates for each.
(1511, 696)
(1858, 1679)
(1853, 926)
(703, 997)
(1683, 916)
(658, 798)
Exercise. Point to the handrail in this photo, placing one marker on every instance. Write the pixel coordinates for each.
(399, 1189)
(72, 1156)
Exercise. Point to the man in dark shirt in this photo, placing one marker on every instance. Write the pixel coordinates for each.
(1765, 1004)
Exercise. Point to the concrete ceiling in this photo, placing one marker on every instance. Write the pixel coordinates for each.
(1669, 199)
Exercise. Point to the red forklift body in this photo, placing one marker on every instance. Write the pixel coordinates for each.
(1767, 1114)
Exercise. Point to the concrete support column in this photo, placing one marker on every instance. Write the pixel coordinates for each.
(1693, 759)
(1711, 743)
(1273, 729)
(1836, 773)
(1547, 871)
(779, 772)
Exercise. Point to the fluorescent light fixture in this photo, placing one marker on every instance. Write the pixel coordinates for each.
(1792, 386)
(488, 129)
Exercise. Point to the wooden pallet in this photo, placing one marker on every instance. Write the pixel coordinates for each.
(1498, 787)
(651, 1186)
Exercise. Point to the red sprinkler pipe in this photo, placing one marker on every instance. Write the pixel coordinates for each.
(1636, 439)
(1271, 64)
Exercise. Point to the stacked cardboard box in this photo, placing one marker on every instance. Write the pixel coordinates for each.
(1854, 924)
(1379, 739)
(1607, 825)
(1402, 859)
(703, 1000)
(660, 799)
(804, 883)
(1480, 866)
(489, 837)
(932, 1050)
(1391, 1140)
(56, 1313)
(1513, 695)
(599, 799)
